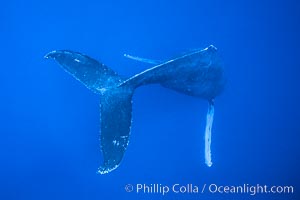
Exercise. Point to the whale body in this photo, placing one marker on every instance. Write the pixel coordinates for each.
(198, 74)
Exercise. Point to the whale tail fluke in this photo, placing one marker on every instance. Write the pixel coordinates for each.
(115, 103)
(91, 73)
(116, 115)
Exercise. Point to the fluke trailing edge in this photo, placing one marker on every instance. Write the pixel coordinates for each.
(198, 74)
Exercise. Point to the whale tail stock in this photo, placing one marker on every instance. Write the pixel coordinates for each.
(198, 74)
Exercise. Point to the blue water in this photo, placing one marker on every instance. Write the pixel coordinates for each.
(49, 145)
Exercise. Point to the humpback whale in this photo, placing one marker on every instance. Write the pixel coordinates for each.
(198, 73)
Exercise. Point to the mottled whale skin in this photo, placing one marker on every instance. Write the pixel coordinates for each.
(198, 74)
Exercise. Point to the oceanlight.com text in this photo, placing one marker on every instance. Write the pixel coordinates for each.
(250, 189)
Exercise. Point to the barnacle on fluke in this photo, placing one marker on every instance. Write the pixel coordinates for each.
(198, 74)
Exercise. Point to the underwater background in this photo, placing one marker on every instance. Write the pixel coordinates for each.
(49, 125)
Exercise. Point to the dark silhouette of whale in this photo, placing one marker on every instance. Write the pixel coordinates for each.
(198, 74)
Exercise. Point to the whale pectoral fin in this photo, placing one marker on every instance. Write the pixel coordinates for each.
(115, 127)
(207, 136)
